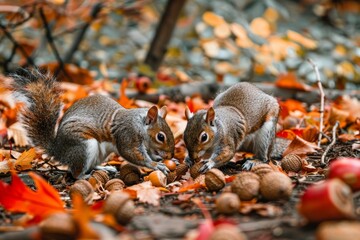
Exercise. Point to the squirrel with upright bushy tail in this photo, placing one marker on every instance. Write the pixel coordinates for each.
(242, 117)
(91, 128)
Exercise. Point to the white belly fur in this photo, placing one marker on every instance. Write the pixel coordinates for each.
(98, 152)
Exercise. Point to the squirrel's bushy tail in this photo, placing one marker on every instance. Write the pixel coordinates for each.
(43, 105)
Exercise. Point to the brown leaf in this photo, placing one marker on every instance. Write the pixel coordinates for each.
(147, 193)
(338, 115)
(351, 105)
(25, 159)
(300, 146)
(310, 134)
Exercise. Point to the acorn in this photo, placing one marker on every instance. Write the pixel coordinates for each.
(115, 185)
(227, 203)
(227, 231)
(291, 163)
(181, 170)
(158, 178)
(246, 185)
(176, 175)
(171, 177)
(120, 206)
(214, 180)
(194, 170)
(276, 186)
(200, 179)
(171, 165)
(83, 188)
(58, 226)
(130, 174)
(101, 176)
(262, 169)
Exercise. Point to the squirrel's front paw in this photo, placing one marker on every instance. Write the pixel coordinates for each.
(208, 164)
(189, 161)
(162, 167)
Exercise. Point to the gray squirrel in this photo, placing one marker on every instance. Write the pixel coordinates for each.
(242, 117)
(91, 128)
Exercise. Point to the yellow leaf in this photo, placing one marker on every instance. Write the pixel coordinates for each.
(25, 159)
(212, 19)
(297, 37)
(260, 27)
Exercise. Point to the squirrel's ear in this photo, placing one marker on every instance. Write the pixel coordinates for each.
(188, 113)
(210, 116)
(163, 112)
(151, 116)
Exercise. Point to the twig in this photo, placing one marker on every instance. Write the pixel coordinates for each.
(94, 12)
(331, 144)
(52, 45)
(322, 96)
(22, 50)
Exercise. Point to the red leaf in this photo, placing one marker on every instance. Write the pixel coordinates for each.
(17, 197)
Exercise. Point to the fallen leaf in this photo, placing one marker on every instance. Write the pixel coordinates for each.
(5, 165)
(289, 81)
(82, 216)
(338, 115)
(260, 27)
(297, 37)
(17, 132)
(310, 134)
(124, 100)
(25, 159)
(263, 209)
(351, 105)
(300, 146)
(72, 73)
(17, 197)
(147, 193)
(212, 19)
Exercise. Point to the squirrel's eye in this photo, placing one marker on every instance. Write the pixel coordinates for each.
(160, 137)
(204, 137)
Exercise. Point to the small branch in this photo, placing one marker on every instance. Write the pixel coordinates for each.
(94, 12)
(52, 45)
(22, 50)
(322, 96)
(331, 144)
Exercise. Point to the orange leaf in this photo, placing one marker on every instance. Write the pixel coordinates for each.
(292, 105)
(82, 216)
(300, 146)
(124, 100)
(310, 134)
(73, 73)
(189, 187)
(289, 80)
(17, 197)
(290, 133)
(25, 159)
(297, 37)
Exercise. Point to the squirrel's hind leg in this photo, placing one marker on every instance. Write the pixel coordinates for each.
(72, 153)
(261, 141)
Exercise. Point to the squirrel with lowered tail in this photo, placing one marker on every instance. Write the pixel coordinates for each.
(242, 117)
(92, 128)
